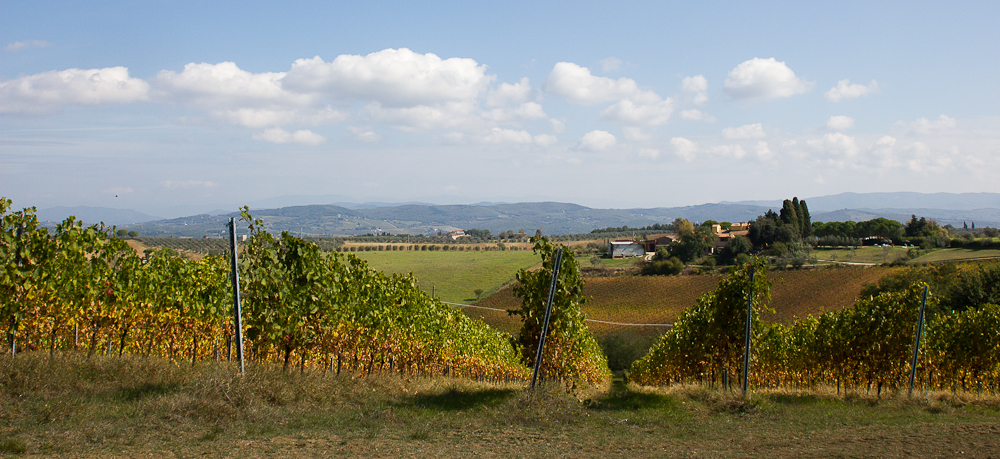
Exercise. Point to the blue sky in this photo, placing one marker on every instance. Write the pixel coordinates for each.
(177, 107)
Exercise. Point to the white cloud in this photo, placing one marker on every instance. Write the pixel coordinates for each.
(728, 151)
(48, 92)
(186, 184)
(697, 86)
(364, 134)
(257, 118)
(684, 148)
(278, 135)
(423, 117)
(926, 126)
(846, 90)
(393, 77)
(763, 152)
(225, 86)
(749, 131)
(763, 79)
(19, 45)
(922, 159)
(504, 136)
(650, 153)
(839, 123)
(644, 108)
(235, 96)
(611, 64)
(576, 84)
(836, 144)
(596, 141)
(696, 115)
(883, 152)
(517, 93)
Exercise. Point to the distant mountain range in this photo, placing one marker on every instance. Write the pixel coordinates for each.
(552, 217)
(90, 215)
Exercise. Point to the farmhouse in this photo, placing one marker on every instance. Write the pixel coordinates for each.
(457, 234)
(723, 236)
(622, 249)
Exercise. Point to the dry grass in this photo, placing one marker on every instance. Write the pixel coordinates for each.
(72, 407)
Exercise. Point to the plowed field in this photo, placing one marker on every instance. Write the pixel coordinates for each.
(660, 299)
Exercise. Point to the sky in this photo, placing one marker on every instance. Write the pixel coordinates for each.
(173, 108)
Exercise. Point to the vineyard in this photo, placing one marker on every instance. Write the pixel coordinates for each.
(81, 289)
(865, 346)
(661, 299)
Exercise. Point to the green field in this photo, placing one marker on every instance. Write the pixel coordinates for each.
(454, 276)
(876, 255)
(956, 255)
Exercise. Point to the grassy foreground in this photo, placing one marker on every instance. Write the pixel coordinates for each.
(71, 407)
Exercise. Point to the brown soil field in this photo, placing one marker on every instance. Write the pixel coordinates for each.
(660, 299)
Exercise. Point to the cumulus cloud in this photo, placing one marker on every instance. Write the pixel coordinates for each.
(763, 151)
(922, 159)
(697, 86)
(517, 93)
(19, 45)
(836, 144)
(49, 92)
(611, 64)
(498, 135)
(696, 115)
(280, 136)
(578, 86)
(186, 184)
(643, 108)
(212, 85)
(763, 79)
(684, 148)
(749, 131)
(839, 123)
(846, 90)
(926, 126)
(596, 141)
(392, 77)
(235, 96)
(883, 152)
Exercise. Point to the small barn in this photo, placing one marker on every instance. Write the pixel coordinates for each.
(622, 249)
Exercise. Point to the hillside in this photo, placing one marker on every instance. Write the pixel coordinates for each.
(660, 299)
(555, 218)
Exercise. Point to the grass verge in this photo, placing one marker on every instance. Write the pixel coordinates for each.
(73, 407)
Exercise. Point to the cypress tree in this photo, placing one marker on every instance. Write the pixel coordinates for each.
(790, 217)
(807, 227)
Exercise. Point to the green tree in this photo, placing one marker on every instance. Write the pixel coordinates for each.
(790, 216)
(805, 219)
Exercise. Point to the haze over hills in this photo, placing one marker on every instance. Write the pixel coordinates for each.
(565, 218)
